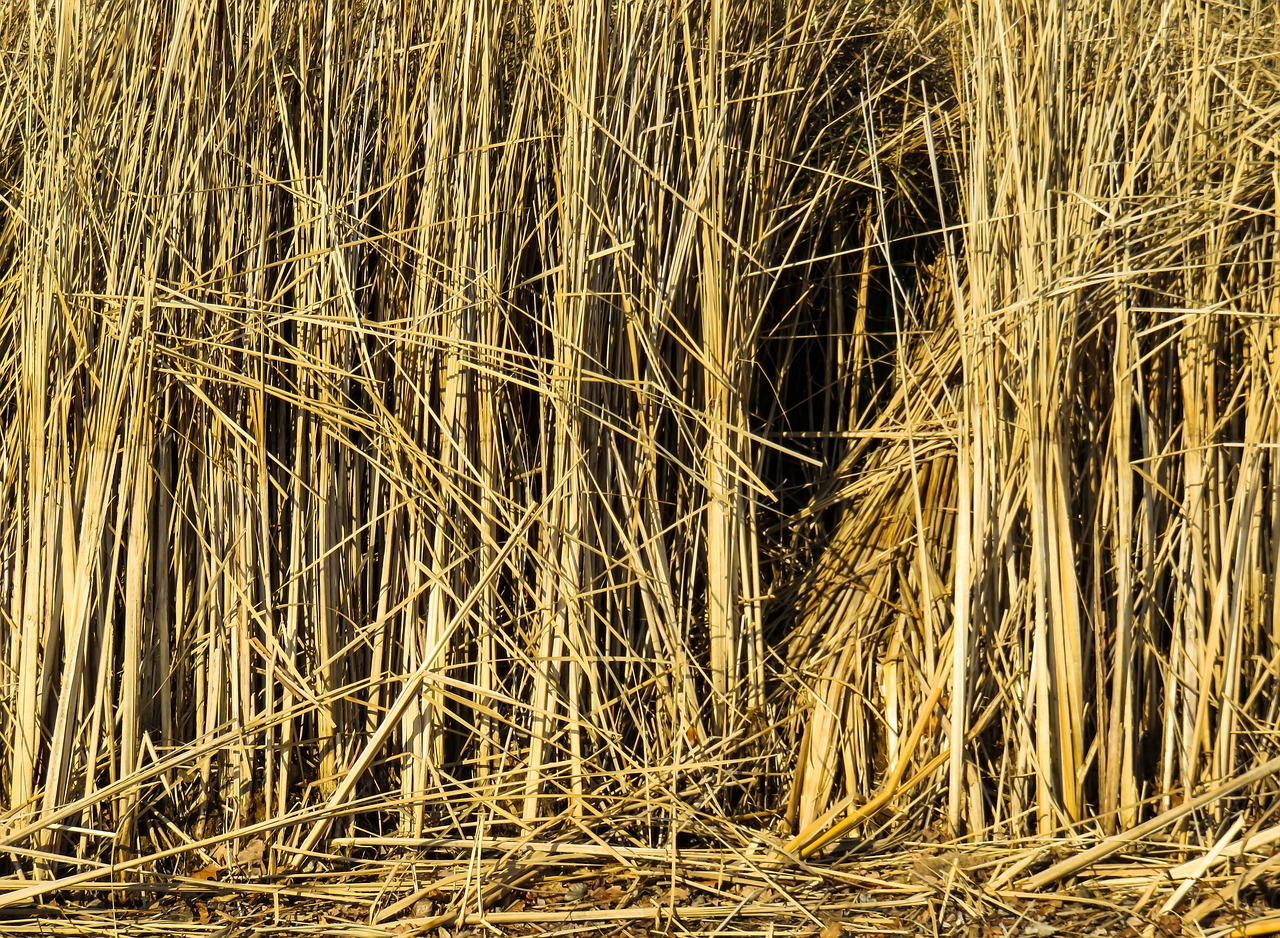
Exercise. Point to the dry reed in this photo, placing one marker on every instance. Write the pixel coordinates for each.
(641, 423)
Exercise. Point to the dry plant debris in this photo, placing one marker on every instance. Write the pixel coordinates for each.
(924, 888)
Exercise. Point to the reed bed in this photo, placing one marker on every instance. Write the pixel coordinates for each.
(729, 427)
(1055, 571)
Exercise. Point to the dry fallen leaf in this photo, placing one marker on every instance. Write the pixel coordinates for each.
(833, 929)
(252, 852)
(206, 872)
(607, 894)
(424, 908)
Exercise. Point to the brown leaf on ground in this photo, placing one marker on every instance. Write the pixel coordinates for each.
(252, 852)
(424, 908)
(833, 929)
(606, 894)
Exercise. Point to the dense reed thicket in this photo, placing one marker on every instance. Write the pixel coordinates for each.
(634, 421)
(1056, 572)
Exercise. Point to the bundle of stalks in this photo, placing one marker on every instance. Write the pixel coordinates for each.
(395, 401)
(1055, 572)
